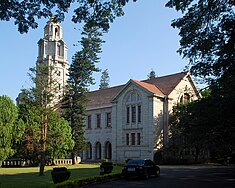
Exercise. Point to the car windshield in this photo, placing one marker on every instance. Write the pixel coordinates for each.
(135, 162)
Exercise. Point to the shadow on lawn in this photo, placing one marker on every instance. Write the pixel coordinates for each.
(33, 180)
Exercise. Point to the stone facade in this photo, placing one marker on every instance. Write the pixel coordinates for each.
(139, 112)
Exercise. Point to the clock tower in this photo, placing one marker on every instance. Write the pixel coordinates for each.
(52, 50)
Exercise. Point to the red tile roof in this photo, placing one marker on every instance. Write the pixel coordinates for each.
(150, 87)
(161, 86)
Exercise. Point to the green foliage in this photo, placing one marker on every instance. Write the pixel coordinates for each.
(46, 132)
(201, 125)
(104, 81)
(80, 77)
(60, 174)
(59, 137)
(86, 181)
(28, 147)
(10, 128)
(26, 12)
(207, 31)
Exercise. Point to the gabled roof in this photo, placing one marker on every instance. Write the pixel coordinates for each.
(150, 87)
(160, 86)
(167, 83)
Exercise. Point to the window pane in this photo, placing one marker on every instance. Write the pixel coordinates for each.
(127, 139)
(139, 114)
(132, 138)
(89, 122)
(138, 138)
(108, 120)
(128, 115)
(98, 120)
(133, 115)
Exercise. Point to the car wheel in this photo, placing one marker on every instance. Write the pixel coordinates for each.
(146, 175)
(158, 173)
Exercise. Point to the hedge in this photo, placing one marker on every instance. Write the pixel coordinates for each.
(79, 182)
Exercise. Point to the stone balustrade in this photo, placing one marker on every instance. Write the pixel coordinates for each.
(62, 162)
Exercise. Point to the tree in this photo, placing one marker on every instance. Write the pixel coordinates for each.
(59, 137)
(104, 81)
(207, 35)
(29, 146)
(80, 77)
(11, 128)
(207, 31)
(152, 75)
(42, 102)
(27, 12)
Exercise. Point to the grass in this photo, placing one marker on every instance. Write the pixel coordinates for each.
(27, 177)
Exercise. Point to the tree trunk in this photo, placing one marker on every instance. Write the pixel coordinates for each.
(74, 158)
(43, 146)
(42, 164)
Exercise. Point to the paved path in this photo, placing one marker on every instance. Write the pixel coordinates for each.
(181, 177)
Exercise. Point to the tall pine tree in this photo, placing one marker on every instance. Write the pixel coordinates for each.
(80, 78)
(104, 81)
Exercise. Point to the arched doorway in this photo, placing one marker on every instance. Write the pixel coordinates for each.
(89, 151)
(98, 150)
(108, 150)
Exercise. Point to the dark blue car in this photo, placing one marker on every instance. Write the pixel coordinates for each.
(140, 167)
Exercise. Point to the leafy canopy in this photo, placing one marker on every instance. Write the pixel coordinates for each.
(26, 13)
(207, 31)
(10, 127)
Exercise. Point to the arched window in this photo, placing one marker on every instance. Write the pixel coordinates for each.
(108, 150)
(98, 150)
(89, 151)
(57, 31)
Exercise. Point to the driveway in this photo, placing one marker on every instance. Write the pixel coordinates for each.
(181, 177)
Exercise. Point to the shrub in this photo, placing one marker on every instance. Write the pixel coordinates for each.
(60, 174)
(86, 181)
(106, 168)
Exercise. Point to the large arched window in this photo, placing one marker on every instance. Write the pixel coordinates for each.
(98, 150)
(89, 151)
(108, 150)
(133, 108)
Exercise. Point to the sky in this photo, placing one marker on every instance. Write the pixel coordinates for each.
(140, 41)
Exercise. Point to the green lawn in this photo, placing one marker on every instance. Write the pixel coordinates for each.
(27, 177)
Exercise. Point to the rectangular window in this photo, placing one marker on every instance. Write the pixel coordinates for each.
(132, 138)
(128, 115)
(138, 138)
(139, 114)
(89, 122)
(127, 139)
(108, 119)
(133, 114)
(98, 120)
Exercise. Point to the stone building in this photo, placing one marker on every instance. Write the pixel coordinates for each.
(126, 121)
(131, 120)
